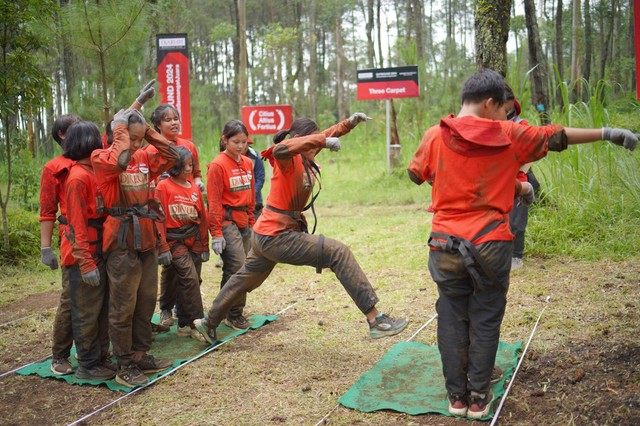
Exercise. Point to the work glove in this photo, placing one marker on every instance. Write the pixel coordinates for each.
(48, 257)
(147, 92)
(165, 258)
(358, 118)
(139, 114)
(121, 118)
(218, 245)
(622, 137)
(204, 256)
(526, 199)
(201, 186)
(92, 278)
(333, 144)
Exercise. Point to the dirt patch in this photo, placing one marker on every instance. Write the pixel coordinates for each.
(30, 305)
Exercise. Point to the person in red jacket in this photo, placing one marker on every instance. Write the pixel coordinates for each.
(471, 161)
(52, 196)
(124, 172)
(88, 288)
(185, 233)
(231, 192)
(281, 234)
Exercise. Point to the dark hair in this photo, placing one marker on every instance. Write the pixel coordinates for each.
(183, 154)
(232, 128)
(508, 93)
(135, 119)
(82, 138)
(483, 85)
(61, 125)
(300, 127)
(159, 113)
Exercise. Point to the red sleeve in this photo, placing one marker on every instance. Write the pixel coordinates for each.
(203, 227)
(48, 195)
(215, 187)
(78, 224)
(160, 195)
(163, 157)
(197, 172)
(340, 129)
(530, 143)
(105, 161)
(419, 168)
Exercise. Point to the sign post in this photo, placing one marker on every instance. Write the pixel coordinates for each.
(389, 83)
(636, 26)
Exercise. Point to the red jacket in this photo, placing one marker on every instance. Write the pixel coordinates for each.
(52, 190)
(230, 183)
(197, 172)
(130, 186)
(471, 163)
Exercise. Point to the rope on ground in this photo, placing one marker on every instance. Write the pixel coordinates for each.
(26, 365)
(324, 419)
(161, 376)
(25, 317)
(504, 397)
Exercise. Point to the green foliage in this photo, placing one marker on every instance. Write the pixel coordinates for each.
(24, 239)
(26, 178)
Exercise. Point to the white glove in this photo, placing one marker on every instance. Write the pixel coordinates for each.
(147, 92)
(218, 245)
(333, 144)
(165, 258)
(622, 137)
(48, 257)
(92, 278)
(527, 198)
(358, 118)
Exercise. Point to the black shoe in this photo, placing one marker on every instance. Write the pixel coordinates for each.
(131, 376)
(237, 323)
(159, 328)
(95, 373)
(496, 375)
(385, 325)
(149, 364)
(479, 404)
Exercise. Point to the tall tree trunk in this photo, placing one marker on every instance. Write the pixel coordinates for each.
(559, 52)
(492, 33)
(418, 15)
(342, 110)
(575, 36)
(606, 46)
(537, 62)
(588, 42)
(379, 27)
(313, 62)
(369, 30)
(242, 55)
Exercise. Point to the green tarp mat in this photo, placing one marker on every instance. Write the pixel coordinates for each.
(408, 379)
(165, 346)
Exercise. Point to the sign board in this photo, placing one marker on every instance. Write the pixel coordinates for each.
(388, 83)
(173, 76)
(267, 119)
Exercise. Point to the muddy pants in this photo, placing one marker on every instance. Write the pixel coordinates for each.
(238, 243)
(180, 287)
(133, 285)
(62, 331)
(293, 248)
(518, 218)
(469, 316)
(89, 313)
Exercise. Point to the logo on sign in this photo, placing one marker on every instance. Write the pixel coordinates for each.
(267, 120)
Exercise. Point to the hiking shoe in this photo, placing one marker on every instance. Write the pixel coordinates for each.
(96, 373)
(516, 263)
(131, 376)
(457, 404)
(384, 325)
(496, 375)
(107, 362)
(159, 328)
(166, 317)
(184, 331)
(237, 323)
(479, 404)
(61, 366)
(209, 334)
(149, 364)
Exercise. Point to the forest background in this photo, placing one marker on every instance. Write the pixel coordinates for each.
(574, 57)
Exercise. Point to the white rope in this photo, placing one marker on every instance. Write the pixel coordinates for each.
(323, 420)
(504, 397)
(24, 318)
(162, 376)
(26, 365)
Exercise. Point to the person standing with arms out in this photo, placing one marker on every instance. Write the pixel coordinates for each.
(470, 161)
(231, 197)
(185, 233)
(82, 243)
(124, 173)
(281, 234)
(52, 196)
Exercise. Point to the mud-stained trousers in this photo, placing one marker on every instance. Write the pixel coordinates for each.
(89, 314)
(293, 248)
(62, 339)
(470, 316)
(238, 244)
(180, 287)
(133, 286)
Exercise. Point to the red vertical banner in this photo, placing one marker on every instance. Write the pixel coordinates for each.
(173, 76)
(636, 30)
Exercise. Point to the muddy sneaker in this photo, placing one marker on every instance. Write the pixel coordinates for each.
(149, 364)
(61, 366)
(184, 331)
(209, 334)
(159, 328)
(166, 317)
(384, 325)
(96, 373)
(457, 404)
(479, 404)
(237, 323)
(496, 375)
(131, 376)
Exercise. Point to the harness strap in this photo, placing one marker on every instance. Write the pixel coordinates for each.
(182, 233)
(293, 214)
(319, 257)
(312, 167)
(228, 210)
(149, 210)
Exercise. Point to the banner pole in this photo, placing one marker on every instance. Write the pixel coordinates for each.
(388, 134)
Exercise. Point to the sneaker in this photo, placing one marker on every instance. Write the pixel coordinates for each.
(496, 375)
(159, 328)
(106, 362)
(131, 376)
(166, 317)
(61, 366)
(384, 325)
(457, 404)
(516, 263)
(237, 323)
(98, 372)
(479, 404)
(149, 364)
(209, 334)
(184, 331)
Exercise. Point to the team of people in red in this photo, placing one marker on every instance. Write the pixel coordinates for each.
(115, 200)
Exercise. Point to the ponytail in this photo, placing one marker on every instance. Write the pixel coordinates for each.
(281, 135)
